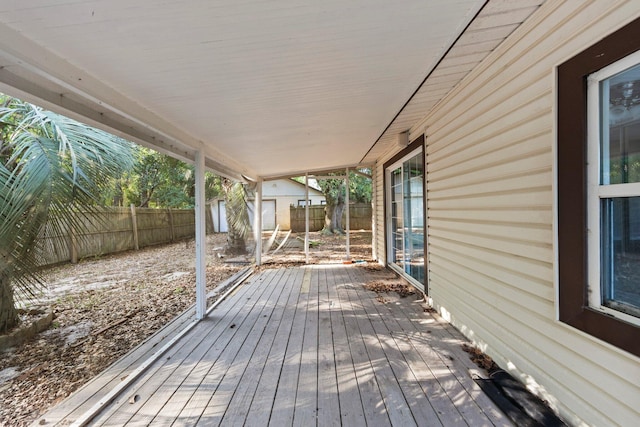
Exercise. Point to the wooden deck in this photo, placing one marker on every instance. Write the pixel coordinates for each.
(308, 346)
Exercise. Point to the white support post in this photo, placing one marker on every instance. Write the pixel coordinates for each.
(257, 222)
(201, 238)
(347, 202)
(374, 207)
(306, 218)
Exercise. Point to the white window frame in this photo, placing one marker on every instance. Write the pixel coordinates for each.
(597, 191)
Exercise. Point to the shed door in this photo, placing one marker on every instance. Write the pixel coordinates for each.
(268, 214)
(222, 217)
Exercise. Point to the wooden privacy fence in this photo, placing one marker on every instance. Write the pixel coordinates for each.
(115, 230)
(359, 217)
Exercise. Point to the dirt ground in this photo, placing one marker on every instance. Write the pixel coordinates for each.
(104, 307)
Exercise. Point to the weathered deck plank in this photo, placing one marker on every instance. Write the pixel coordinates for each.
(310, 346)
(236, 361)
(287, 386)
(445, 411)
(172, 409)
(182, 358)
(88, 395)
(351, 410)
(401, 361)
(392, 394)
(237, 410)
(204, 380)
(307, 390)
(446, 360)
(375, 411)
(261, 406)
(446, 344)
(328, 397)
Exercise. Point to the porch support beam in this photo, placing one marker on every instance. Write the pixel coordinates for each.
(320, 172)
(362, 174)
(306, 218)
(327, 176)
(374, 207)
(347, 203)
(201, 237)
(257, 221)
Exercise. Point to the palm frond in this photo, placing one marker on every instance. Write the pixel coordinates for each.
(55, 172)
(25, 198)
(237, 209)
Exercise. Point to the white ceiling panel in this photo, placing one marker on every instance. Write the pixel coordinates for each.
(266, 88)
(492, 25)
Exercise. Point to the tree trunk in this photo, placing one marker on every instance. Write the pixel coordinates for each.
(333, 218)
(8, 313)
(337, 213)
(118, 197)
(144, 199)
(328, 218)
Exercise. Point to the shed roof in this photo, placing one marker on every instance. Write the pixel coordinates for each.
(264, 88)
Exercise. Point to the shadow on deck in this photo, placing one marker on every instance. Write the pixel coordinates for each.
(301, 346)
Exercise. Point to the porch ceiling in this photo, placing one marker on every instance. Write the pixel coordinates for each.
(265, 88)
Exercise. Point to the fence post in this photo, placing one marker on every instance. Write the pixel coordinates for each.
(173, 237)
(134, 227)
(73, 245)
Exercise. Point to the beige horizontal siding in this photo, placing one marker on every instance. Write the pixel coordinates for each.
(531, 276)
(490, 177)
(519, 327)
(525, 217)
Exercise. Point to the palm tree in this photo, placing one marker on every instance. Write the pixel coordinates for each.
(51, 168)
(236, 207)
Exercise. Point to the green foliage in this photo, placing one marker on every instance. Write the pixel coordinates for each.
(160, 181)
(50, 167)
(333, 189)
(359, 186)
(624, 169)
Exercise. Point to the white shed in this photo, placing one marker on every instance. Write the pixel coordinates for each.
(277, 197)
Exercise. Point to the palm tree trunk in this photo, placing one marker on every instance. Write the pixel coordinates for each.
(235, 243)
(8, 313)
(237, 217)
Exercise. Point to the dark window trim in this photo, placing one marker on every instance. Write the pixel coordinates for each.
(572, 189)
(414, 145)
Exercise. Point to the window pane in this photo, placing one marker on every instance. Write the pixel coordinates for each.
(620, 118)
(407, 217)
(620, 264)
(396, 216)
(414, 213)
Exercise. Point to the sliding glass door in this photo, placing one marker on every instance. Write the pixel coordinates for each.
(405, 208)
